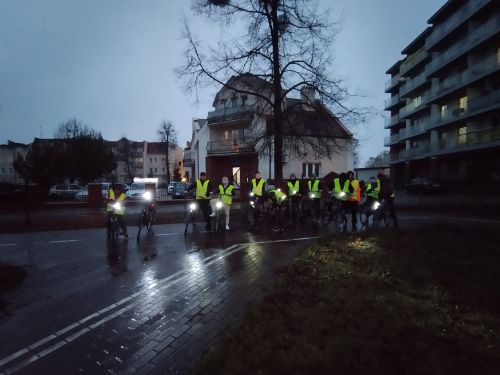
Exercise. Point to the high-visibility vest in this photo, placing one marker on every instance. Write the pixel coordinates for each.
(294, 188)
(313, 189)
(121, 198)
(201, 189)
(372, 190)
(226, 195)
(257, 188)
(337, 189)
(356, 196)
(280, 196)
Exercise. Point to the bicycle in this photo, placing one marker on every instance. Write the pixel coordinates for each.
(253, 211)
(294, 209)
(113, 226)
(275, 212)
(219, 215)
(190, 216)
(366, 210)
(147, 215)
(382, 217)
(333, 211)
(311, 210)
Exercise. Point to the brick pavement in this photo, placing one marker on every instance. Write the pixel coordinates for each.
(165, 328)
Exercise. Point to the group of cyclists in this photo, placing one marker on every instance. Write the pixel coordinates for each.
(299, 201)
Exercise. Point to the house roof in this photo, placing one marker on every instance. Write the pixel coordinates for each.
(318, 122)
(253, 82)
(156, 148)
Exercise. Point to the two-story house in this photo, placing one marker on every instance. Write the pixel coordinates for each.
(8, 154)
(236, 139)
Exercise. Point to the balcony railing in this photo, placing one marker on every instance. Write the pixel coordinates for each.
(485, 30)
(391, 121)
(240, 111)
(189, 156)
(391, 102)
(455, 20)
(390, 140)
(412, 60)
(485, 101)
(414, 106)
(413, 83)
(471, 139)
(392, 82)
(224, 147)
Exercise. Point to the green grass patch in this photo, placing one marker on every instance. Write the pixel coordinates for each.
(423, 302)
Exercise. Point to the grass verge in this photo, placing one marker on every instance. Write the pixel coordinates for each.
(423, 302)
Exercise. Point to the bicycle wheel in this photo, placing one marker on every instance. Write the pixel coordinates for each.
(364, 211)
(150, 221)
(139, 226)
(216, 221)
(252, 217)
(326, 213)
(340, 221)
(188, 221)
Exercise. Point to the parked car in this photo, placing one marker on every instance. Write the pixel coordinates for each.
(64, 192)
(176, 189)
(136, 190)
(83, 194)
(423, 185)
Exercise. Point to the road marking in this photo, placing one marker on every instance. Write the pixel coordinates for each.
(471, 219)
(7, 244)
(162, 284)
(166, 234)
(64, 241)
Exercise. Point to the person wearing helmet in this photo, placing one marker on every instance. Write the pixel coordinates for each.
(353, 198)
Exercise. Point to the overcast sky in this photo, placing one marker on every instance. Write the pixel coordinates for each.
(110, 63)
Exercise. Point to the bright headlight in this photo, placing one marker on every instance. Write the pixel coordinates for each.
(294, 192)
(117, 206)
(147, 196)
(341, 194)
(376, 205)
(252, 203)
(252, 194)
(192, 206)
(218, 205)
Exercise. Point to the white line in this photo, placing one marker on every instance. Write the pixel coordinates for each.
(64, 241)
(7, 244)
(449, 218)
(166, 234)
(164, 284)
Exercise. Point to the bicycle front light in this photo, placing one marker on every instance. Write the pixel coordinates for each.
(252, 203)
(147, 196)
(192, 206)
(117, 206)
(252, 194)
(376, 205)
(218, 205)
(341, 194)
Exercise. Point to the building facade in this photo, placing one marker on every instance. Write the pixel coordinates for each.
(8, 154)
(444, 106)
(229, 143)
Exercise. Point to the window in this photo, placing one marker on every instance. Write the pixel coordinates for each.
(462, 135)
(444, 112)
(150, 170)
(308, 169)
(462, 103)
(150, 160)
(163, 170)
(155, 160)
(156, 170)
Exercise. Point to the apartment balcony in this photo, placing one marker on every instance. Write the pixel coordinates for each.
(413, 84)
(390, 140)
(483, 32)
(391, 121)
(392, 102)
(414, 107)
(189, 157)
(392, 83)
(475, 106)
(231, 114)
(474, 140)
(413, 60)
(457, 19)
(228, 148)
(414, 130)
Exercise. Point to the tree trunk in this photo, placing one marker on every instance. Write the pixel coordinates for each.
(168, 162)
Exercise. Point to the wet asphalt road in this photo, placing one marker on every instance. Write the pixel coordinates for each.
(149, 307)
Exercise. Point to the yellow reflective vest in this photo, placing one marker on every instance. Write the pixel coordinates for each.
(313, 188)
(337, 189)
(202, 189)
(257, 188)
(226, 195)
(293, 188)
(121, 198)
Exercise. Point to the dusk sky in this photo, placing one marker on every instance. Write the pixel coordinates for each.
(110, 64)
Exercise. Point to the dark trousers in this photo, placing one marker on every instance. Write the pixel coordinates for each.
(205, 209)
(392, 212)
(352, 208)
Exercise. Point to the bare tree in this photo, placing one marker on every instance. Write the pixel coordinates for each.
(287, 43)
(377, 161)
(168, 136)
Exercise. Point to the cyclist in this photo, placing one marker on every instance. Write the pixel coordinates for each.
(294, 194)
(116, 194)
(258, 188)
(203, 191)
(387, 193)
(372, 191)
(353, 198)
(314, 195)
(226, 197)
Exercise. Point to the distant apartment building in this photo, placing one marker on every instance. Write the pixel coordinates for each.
(445, 97)
(8, 153)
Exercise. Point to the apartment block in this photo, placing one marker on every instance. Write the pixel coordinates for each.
(444, 106)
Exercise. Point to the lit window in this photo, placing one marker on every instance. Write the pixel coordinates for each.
(462, 103)
(462, 135)
(444, 112)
